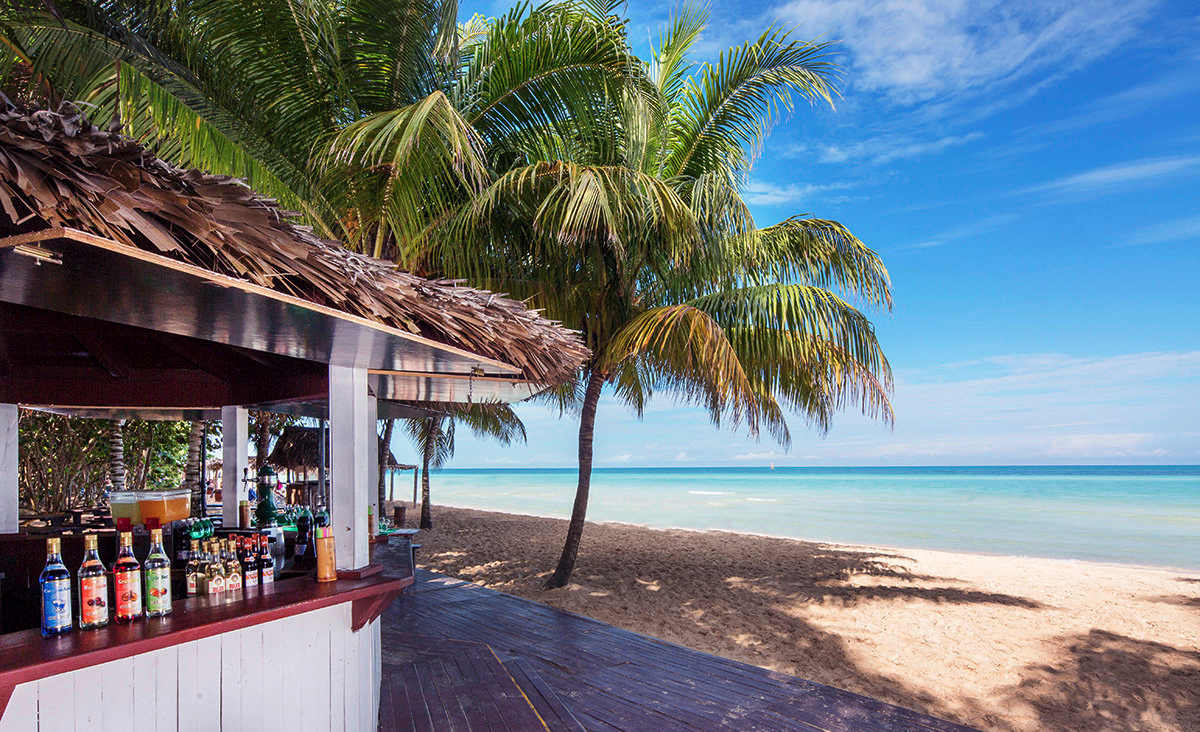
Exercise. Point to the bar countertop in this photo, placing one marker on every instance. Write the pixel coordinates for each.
(28, 656)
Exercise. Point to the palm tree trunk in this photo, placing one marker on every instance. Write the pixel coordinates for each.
(262, 441)
(587, 430)
(435, 426)
(385, 448)
(116, 454)
(191, 469)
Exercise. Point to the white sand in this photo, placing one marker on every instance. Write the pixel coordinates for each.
(1005, 643)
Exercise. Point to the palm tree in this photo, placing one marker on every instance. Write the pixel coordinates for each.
(246, 89)
(258, 91)
(193, 468)
(434, 438)
(116, 454)
(632, 228)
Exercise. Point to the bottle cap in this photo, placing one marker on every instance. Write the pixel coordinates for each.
(53, 546)
(126, 539)
(89, 542)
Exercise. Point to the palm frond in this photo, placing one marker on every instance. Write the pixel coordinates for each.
(732, 106)
(816, 252)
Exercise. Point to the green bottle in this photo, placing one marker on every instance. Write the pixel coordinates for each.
(158, 578)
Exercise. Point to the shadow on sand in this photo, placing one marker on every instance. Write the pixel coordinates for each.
(1103, 681)
(1108, 681)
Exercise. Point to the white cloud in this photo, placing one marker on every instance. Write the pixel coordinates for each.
(767, 455)
(682, 457)
(964, 232)
(761, 193)
(622, 458)
(1147, 97)
(881, 150)
(1119, 176)
(1181, 229)
(916, 50)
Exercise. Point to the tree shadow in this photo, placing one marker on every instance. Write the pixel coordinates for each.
(1110, 681)
(739, 597)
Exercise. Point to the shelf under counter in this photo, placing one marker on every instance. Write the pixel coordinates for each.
(28, 656)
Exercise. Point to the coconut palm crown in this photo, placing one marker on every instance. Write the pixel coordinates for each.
(630, 226)
(533, 154)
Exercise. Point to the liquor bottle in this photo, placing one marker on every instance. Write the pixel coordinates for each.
(158, 578)
(249, 563)
(214, 572)
(127, 581)
(194, 572)
(93, 586)
(266, 563)
(233, 568)
(180, 534)
(56, 592)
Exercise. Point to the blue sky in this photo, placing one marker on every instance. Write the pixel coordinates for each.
(1029, 171)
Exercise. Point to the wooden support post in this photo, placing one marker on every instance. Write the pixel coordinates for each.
(373, 466)
(235, 457)
(353, 448)
(322, 467)
(9, 513)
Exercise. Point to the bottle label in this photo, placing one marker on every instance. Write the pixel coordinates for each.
(234, 581)
(268, 573)
(191, 584)
(128, 586)
(158, 590)
(56, 604)
(216, 585)
(93, 600)
(251, 577)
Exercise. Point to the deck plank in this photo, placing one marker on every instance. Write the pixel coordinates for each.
(513, 664)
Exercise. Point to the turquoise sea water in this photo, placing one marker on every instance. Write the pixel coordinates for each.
(1137, 515)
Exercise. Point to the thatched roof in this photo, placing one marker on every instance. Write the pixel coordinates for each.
(57, 169)
(299, 448)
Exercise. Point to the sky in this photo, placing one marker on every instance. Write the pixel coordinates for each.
(1029, 171)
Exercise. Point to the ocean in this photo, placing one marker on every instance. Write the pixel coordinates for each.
(1130, 515)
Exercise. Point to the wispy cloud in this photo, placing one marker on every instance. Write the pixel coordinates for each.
(622, 458)
(1143, 98)
(1181, 229)
(1119, 176)
(965, 232)
(765, 455)
(879, 150)
(918, 50)
(761, 193)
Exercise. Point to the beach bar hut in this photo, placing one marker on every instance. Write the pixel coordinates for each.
(132, 288)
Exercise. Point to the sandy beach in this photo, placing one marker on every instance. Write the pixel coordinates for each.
(1000, 643)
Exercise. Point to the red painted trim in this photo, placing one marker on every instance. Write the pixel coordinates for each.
(361, 572)
(367, 609)
(27, 656)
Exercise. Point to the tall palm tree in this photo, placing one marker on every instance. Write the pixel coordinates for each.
(246, 89)
(632, 228)
(434, 438)
(258, 90)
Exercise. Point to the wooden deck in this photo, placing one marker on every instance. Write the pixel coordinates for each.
(457, 656)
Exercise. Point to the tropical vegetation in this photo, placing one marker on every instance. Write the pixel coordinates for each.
(534, 154)
(433, 438)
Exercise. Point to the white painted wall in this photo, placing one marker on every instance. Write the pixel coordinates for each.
(306, 672)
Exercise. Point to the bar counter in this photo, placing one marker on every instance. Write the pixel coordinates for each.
(26, 656)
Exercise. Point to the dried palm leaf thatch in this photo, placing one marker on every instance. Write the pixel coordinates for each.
(299, 448)
(58, 169)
